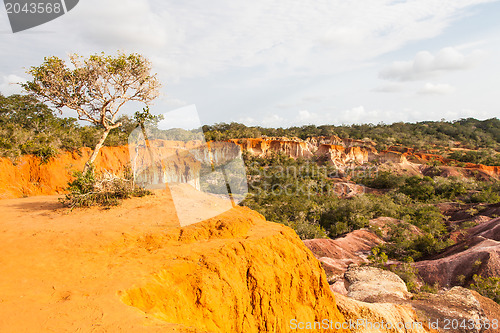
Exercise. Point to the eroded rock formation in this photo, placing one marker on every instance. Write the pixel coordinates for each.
(336, 255)
(333, 149)
(133, 269)
(478, 253)
(166, 161)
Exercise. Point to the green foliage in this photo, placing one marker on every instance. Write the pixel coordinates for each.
(430, 289)
(408, 274)
(297, 193)
(421, 189)
(488, 194)
(382, 180)
(467, 133)
(87, 190)
(292, 192)
(488, 287)
(483, 156)
(305, 229)
(342, 216)
(95, 87)
(30, 127)
(450, 188)
(378, 258)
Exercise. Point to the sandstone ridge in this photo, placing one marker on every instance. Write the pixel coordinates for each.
(133, 269)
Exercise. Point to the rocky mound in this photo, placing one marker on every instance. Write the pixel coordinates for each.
(336, 255)
(133, 269)
(370, 284)
(478, 254)
(380, 298)
(458, 310)
(381, 317)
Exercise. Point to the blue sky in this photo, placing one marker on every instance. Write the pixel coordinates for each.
(285, 62)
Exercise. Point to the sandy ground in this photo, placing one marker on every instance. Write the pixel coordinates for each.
(63, 271)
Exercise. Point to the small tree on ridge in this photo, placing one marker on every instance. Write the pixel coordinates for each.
(95, 87)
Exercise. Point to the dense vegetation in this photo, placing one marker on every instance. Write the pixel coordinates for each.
(467, 133)
(488, 287)
(301, 194)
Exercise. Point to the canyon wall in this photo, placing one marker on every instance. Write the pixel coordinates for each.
(29, 175)
(176, 161)
(333, 149)
(165, 161)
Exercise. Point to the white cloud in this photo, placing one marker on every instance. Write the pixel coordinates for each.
(304, 101)
(305, 117)
(239, 58)
(186, 117)
(389, 88)
(436, 89)
(120, 24)
(426, 65)
(273, 120)
(9, 84)
(186, 39)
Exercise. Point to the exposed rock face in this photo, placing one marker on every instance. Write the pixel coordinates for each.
(173, 161)
(334, 149)
(342, 152)
(381, 317)
(490, 170)
(133, 269)
(478, 254)
(392, 157)
(265, 147)
(455, 309)
(29, 176)
(449, 311)
(336, 255)
(370, 284)
(389, 300)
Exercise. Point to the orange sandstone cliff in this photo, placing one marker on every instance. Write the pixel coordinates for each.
(336, 150)
(29, 176)
(133, 269)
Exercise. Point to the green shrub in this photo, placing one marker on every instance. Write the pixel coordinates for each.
(306, 230)
(378, 258)
(430, 289)
(382, 180)
(86, 190)
(486, 195)
(488, 287)
(450, 188)
(421, 189)
(408, 274)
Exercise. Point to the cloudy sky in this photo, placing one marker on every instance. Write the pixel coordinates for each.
(289, 62)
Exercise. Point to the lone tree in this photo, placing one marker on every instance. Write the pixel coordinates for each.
(95, 87)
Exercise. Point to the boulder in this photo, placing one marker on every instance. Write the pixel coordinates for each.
(371, 284)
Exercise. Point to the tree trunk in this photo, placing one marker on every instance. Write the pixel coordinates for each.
(96, 150)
